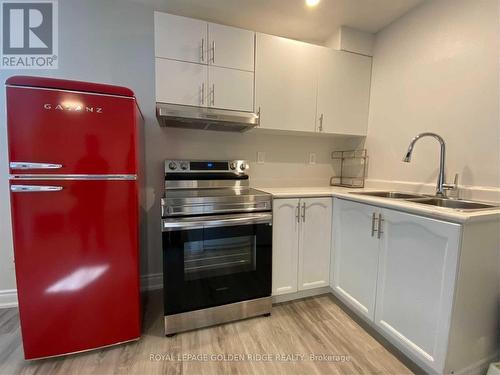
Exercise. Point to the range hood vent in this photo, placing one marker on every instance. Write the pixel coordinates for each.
(182, 116)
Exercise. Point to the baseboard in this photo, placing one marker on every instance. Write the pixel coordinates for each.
(153, 281)
(480, 367)
(8, 298)
(301, 294)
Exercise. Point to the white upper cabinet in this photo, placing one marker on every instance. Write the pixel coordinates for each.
(315, 243)
(286, 74)
(296, 86)
(343, 92)
(355, 252)
(191, 40)
(203, 64)
(230, 47)
(179, 82)
(285, 245)
(230, 89)
(415, 288)
(180, 38)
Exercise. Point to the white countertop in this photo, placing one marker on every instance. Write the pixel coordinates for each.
(440, 213)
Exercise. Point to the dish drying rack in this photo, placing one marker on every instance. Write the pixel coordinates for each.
(350, 168)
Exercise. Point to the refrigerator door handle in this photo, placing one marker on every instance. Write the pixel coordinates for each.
(76, 177)
(30, 165)
(33, 188)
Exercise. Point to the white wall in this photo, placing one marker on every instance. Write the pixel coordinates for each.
(111, 41)
(437, 69)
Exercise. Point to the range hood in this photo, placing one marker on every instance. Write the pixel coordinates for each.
(183, 116)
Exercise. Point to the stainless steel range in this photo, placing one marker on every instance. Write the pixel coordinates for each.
(217, 245)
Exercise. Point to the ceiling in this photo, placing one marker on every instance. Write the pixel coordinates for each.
(292, 18)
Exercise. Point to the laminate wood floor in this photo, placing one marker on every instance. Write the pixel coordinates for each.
(296, 331)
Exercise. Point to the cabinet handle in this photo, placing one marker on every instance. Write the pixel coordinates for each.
(380, 221)
(374, 224)
(321, 123)
(297, 213)
(213, 94)
(202, 49)
(304, 212)
(203, 93)
(213, 51)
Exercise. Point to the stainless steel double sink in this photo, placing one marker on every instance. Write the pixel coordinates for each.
(456, 204)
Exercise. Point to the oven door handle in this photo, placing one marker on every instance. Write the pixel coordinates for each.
(197, 208)
(176, 224)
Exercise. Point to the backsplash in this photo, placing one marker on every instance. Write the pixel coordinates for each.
(286, 157)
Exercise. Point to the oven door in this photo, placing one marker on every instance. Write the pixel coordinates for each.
(214, 260)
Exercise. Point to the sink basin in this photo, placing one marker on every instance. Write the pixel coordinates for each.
(456, 204)
(389, 194)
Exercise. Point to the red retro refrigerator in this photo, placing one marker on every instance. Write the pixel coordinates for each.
(74, 187)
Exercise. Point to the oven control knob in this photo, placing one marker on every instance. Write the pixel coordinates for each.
(232, 166)
(243, 166)
(172, 165)
(184, 166)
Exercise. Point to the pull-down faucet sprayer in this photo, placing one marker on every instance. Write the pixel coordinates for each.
(441, 186)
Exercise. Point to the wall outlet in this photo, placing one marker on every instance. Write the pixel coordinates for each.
(312, 158)
(261, 157)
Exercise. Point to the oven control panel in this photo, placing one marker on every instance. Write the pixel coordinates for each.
(205, 166)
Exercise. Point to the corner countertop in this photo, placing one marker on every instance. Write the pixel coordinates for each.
(439, 213)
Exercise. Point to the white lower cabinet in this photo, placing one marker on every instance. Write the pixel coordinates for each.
(355, 259)
(285, 245)
(398, 270)
(301, 244)
(315, 238)
(415, 286)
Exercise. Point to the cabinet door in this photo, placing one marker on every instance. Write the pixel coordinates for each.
(315, 242)
(230, 89)
(343, 92)
(356, 253)
(231, 47)
(286, 74)
(180, 82)
(180, 38)
(285, 245)
(418, 265)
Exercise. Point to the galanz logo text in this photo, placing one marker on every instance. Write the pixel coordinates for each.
(72, 108)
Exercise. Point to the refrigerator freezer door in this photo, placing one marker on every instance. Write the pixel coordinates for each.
(79, 133)
(76, 258)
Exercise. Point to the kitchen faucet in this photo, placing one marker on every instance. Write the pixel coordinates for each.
(441, 185)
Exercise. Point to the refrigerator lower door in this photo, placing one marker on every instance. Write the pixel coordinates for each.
(76, 258)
